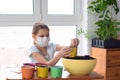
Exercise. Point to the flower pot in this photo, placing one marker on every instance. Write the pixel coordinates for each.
(111, 43)
(73, 53)
(42, 71)
(27, 72)
(56, 71)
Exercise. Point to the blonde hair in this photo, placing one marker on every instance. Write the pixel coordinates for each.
(37, 26)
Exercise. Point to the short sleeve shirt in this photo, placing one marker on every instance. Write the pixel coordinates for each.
(51, 48)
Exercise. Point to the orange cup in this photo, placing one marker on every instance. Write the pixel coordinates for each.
(27, 72)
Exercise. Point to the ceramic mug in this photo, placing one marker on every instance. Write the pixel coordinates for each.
(73, 53)
(42, 71)
(27, 72)
(56, 71)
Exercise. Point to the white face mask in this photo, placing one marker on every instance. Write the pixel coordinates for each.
(43, 41)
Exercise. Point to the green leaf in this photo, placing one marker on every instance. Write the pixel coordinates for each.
(107, 25)
(90, 7)
(94, 2)
(101, 16)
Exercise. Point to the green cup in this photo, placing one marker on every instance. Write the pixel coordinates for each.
(56, 71)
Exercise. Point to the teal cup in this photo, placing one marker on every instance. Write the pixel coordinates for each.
(56, 71)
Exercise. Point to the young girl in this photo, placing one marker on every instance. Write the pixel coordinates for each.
(43, 51)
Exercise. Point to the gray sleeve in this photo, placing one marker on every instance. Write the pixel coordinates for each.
(32, 49)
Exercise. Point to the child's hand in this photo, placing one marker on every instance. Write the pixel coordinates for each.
(65, 51)
(74, 42)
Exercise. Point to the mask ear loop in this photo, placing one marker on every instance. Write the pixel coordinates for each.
(48, 39)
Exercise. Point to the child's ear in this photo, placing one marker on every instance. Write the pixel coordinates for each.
(33, 36)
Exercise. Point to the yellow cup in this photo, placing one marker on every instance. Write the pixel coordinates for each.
(42, 71)
(73, 53)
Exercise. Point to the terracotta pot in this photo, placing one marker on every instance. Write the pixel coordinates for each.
(27, 72)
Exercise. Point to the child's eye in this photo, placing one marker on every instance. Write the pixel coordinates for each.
(47, 36)
(44, 36)
(41, 36)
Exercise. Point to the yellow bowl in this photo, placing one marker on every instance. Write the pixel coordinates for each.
(79, 65)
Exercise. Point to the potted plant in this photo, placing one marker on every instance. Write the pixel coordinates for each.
(107, 24)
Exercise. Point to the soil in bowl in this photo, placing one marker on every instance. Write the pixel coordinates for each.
(86, 57)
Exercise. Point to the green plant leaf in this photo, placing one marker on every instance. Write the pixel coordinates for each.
(107, 25)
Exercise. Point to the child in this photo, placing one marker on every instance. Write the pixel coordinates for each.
(43, 51)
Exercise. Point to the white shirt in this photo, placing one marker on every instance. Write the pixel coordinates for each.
(51, 48)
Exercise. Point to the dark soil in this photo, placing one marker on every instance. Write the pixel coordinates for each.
(86, 57)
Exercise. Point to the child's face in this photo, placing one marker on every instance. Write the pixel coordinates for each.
(42, 33)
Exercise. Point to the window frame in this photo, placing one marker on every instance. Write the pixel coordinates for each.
(21, 19)
(40, 14)
(61, 19)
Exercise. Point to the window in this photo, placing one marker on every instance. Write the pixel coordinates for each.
(26, 12)
(16, 23)
(60, 12)
(14, 41)
(20, 36)
(62, 34)
(61, 7)
(19, 12)
(14, 7)
(15, 37)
